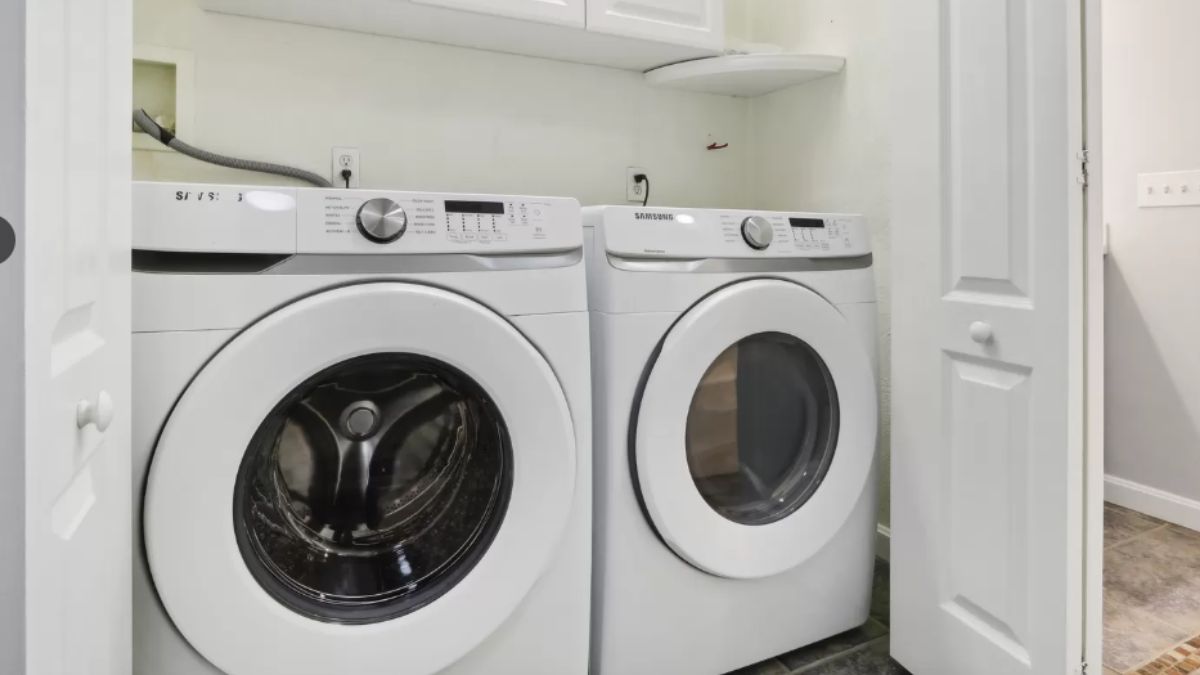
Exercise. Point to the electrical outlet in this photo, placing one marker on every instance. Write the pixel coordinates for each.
(345, 159)
(635, 191)
(1175, 188)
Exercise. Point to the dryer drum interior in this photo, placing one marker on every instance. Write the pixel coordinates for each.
(762, 428)
(373, 488)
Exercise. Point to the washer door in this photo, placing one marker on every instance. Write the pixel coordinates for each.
(367, 481)
(756, 429)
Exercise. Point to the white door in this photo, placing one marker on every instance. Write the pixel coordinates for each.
(755, 432)
(64, 163)
(988, 504)
(694, 23)
(564, 12)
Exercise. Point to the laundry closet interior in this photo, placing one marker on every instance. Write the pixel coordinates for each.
(430, 97)
(553, 337)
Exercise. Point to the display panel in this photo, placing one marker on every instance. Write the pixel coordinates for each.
(806, 222)
(484, 208)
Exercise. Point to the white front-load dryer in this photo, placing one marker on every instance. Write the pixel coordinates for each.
(736, 419)
(362, 433)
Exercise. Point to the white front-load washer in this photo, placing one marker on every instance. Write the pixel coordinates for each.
(736, 419)
(362, 433)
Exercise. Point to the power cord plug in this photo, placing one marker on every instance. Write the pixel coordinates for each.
(643, 178)
(346, 173)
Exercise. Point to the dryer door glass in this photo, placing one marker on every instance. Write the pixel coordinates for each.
(373, 488)
(762, 428)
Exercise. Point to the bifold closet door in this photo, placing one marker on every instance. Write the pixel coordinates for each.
(64, 336)
(989, 503)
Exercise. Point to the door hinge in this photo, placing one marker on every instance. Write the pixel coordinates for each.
(1085, 159)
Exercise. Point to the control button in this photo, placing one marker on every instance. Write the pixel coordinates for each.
(381, 220)
(485, 236)
(467, 235)
(452, 235)
(501, 236)
(757, 232)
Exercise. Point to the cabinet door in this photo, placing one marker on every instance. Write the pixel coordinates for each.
(563, 12)
(696, 23)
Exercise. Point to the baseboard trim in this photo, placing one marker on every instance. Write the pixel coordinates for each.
(883, 542)
(1153, 502)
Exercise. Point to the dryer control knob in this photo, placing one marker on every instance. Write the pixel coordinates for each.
(381, 220)
(757, 232)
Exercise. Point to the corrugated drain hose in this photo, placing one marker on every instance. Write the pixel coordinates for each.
(148, 125)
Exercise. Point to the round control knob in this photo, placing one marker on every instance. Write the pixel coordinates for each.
(381, 220)
(757, 232)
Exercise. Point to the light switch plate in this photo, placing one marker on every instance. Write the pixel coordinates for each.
(1173, 188)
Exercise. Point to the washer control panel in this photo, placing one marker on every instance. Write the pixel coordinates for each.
(358, 221)
(706, 233)
(243, 219)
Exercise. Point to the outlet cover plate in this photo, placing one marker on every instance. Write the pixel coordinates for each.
(345, 158)
(635, 192)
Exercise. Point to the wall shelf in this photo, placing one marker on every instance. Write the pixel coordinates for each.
(746, 74)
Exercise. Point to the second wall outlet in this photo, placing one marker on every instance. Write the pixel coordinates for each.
(635, 191)
(345, 159)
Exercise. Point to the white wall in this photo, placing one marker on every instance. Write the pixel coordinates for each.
(824, 146)
(431, 117)
(1151, 124)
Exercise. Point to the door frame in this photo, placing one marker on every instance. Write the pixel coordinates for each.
(1093, 552)
(12, 336)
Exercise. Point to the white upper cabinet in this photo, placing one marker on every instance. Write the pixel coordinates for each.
(564, 12)
(630, 34)
(698, 23)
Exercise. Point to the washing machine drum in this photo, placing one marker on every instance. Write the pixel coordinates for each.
(755, 431)
(369, 481)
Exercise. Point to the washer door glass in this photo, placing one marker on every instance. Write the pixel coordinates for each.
(373, 488)
(762, 428)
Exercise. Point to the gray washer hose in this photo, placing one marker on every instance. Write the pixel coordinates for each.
(148, 125)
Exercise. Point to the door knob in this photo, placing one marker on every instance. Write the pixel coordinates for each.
(98, 412)
(981, 332)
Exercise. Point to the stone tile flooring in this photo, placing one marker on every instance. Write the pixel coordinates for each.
(1151, 587)
(862, 651)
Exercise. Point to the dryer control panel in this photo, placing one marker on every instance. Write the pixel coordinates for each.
(242, 219)
(636, 232)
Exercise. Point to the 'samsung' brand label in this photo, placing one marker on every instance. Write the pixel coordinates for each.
(642, 215)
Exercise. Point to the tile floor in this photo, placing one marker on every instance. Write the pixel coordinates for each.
(862, 651)
(1151, 587)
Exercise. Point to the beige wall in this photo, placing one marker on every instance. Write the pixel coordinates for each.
(824, 145)
(1152, 124)
(431, 117)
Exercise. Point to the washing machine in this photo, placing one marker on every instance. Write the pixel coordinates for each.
(362, 433)
(736, 419)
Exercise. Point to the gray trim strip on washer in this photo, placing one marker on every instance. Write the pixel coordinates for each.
(739, 265)
(334, 264)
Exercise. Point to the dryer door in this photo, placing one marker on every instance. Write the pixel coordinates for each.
(366, 481)
(755, 432)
